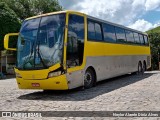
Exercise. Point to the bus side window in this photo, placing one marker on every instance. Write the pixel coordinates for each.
(98, 31)
(94, 31)
(109, 33)
(129, 36)
(121, 38)
(75, 42)
(141, 39)
(136, 38)
(146, 40)
(91, 31)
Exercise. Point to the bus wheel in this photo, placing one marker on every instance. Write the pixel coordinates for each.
(144, 66)
(89, 78)
(140, 68)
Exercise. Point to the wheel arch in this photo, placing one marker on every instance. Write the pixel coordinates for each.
(94, 71)
(140, 62)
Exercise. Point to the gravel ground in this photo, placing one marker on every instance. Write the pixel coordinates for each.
(125, 93)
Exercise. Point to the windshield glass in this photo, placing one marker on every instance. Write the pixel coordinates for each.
(40, 42)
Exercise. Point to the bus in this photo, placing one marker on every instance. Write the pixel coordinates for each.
(68, 49)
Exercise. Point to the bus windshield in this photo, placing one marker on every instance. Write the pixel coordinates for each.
(40, 42)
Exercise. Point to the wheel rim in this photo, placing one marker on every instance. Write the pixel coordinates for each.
(88, 78)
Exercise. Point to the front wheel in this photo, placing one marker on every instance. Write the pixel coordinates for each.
(89, 78)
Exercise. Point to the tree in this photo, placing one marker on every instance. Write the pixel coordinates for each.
(28, 8)
(8, 22)
(155, 49)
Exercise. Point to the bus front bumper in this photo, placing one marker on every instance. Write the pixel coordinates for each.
(55, 83)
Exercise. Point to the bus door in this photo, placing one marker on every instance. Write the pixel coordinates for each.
(75, 50)
(75, 41)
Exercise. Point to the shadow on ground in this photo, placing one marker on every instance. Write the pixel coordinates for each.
(80, 95)
(6, 77)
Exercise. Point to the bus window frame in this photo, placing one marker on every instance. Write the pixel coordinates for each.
(81, 67)
(116, 42)
(94, 21)
(125, 40)
(103, 24)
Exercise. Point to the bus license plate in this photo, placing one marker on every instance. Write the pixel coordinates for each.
(35, 85)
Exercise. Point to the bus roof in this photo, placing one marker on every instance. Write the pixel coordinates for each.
(90, 17)
(58, 12)
(46, 14)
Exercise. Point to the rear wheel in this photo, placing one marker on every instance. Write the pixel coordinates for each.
(140, 68)
(144, 66)
(89, 78)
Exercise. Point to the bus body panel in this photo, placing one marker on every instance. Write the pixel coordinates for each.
(29, 80)
(55, 83)
(75, 79)
(112, 49)
(113, 66)
(33, 74)
(111, 60)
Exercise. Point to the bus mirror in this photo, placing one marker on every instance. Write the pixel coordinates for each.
(10, 41)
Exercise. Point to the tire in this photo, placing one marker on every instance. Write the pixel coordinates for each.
(89, 78)
(144, 67)
(140, 68)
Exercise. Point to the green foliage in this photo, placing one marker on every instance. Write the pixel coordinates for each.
(155, 49)
(154, 36)
(28, 8)
(9, 22)
(155, 30)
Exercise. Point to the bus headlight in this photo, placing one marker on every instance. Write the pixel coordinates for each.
(18, 75)
(54, 74)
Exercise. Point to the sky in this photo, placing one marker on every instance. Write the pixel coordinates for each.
(141, 15)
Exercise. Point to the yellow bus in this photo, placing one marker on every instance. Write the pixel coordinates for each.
(69, 49)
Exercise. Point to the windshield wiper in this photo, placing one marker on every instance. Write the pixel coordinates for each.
(38, 51)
